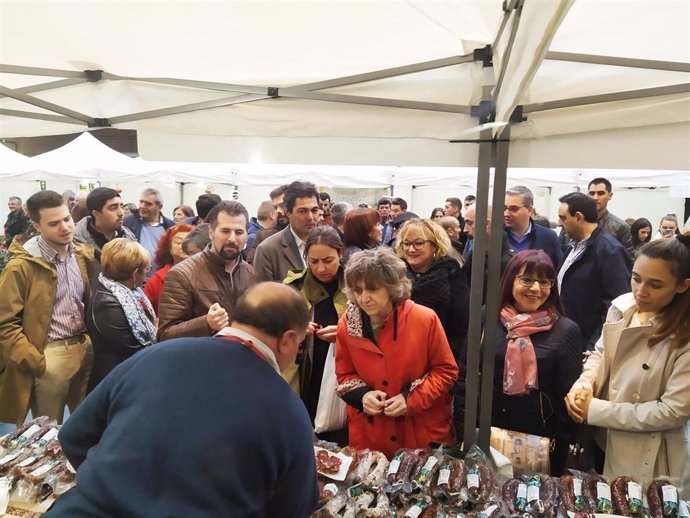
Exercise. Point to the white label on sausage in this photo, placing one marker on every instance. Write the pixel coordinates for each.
(43, 469)
(5, 487)
(393, 468)
(670, 494)
(532, 493)
(522, 491)
(634, 491)
(487, 512)
(443, 476)
(603, 491)
(48, 436)
(472, 480)
(430, 463)
(8, 458)
(683, 510)
(332, 488)
(27, 461)
(577, 486)
(413, 512)
(29, 433)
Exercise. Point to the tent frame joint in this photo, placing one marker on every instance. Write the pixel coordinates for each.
(273, 91)
(485, 111)
(93, 76)
(100, 123)
(485, 55)
(518, 115)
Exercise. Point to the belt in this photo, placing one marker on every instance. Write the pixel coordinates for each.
(72, 340)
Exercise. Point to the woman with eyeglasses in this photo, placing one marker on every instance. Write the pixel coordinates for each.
(538, 354)
(120, 319)
(634, 387)
(394, 365)
(362, 231)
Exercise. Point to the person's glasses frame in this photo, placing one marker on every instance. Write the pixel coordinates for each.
(528, 281)
(416, 244)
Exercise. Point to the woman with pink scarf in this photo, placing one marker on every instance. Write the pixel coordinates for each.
(538, 354)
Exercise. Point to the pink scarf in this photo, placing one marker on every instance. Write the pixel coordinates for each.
(520, 374)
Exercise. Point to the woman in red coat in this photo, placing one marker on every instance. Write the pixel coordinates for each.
(393, 362)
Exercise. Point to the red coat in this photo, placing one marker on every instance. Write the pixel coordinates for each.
(412, 354)
(154, 286)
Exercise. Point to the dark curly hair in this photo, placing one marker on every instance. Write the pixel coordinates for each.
(163, 255)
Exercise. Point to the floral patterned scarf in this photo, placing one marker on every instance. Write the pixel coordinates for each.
(520, 375)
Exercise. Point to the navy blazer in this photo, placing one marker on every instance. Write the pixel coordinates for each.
(542, 238)
(601, 274)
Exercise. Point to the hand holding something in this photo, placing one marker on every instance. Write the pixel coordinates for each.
(312, 328)
(327, 334)
(373, 402)
(577, 401)
(395, 406)
(217, 318)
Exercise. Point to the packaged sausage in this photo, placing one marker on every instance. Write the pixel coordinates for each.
(597, 494)
(626, 495)
(663, 499)
(481, 479)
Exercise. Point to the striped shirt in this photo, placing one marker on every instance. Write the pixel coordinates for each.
(67, 319)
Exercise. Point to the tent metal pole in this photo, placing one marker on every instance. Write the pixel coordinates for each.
(40, 116)
(477, 280)
(673, 66)
(509, 49)
(34, 101)
(389, 72)
(373, 101)
(189, 83)
(34, 71)
(205, 105)
(606, 98)
(501, 149)
(52, 85)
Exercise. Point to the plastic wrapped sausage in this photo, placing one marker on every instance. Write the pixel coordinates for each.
(626, 495)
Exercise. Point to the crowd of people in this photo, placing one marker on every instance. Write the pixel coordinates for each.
(593, 327)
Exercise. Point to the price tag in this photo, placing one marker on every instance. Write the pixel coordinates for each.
(394, 467)
(443, 476)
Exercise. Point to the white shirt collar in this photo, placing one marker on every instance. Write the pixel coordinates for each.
(300, 244)
(261, 346)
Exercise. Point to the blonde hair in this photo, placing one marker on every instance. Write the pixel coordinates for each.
(428, 230)
(121, 257)
(378, 267)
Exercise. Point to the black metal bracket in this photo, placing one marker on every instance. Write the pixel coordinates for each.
(100, 123)
(517, 115)
(93, 76)
(273, 91)
(484, 55)
(485, 111)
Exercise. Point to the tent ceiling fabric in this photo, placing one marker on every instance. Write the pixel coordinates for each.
(285, 44)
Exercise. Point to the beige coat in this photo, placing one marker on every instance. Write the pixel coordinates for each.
(27, 294)
(642, 398)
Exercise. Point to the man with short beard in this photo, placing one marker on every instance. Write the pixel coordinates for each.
(199, 294)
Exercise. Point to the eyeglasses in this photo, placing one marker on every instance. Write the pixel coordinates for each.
(416, 244)
(528, 282)
(513, 208)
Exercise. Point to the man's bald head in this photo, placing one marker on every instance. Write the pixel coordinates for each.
(451, 225)
(272, 308)
(470, 213)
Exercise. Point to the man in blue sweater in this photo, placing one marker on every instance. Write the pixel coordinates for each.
(200, 427)
(522, 232)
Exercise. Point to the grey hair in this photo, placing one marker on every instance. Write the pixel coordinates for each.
(15, 198)
(150, 191)
(521, 190)
(339, 211)
(198, 238)
(378, 267)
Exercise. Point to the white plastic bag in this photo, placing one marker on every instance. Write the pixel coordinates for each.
(330, 411)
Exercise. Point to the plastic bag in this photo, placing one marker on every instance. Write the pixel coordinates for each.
(330, 410)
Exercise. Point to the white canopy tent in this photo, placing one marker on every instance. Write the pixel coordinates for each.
(236, 80)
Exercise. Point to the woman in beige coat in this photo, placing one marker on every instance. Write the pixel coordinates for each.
(634, 387)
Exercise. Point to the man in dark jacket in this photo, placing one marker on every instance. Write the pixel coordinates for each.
(596, 269)
(149, 224)
(200, 293)
(277, 196)
(200, 426)
(17, 222)
(522, 232)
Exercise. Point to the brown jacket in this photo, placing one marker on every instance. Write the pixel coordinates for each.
(193, 286)
(28, 286)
